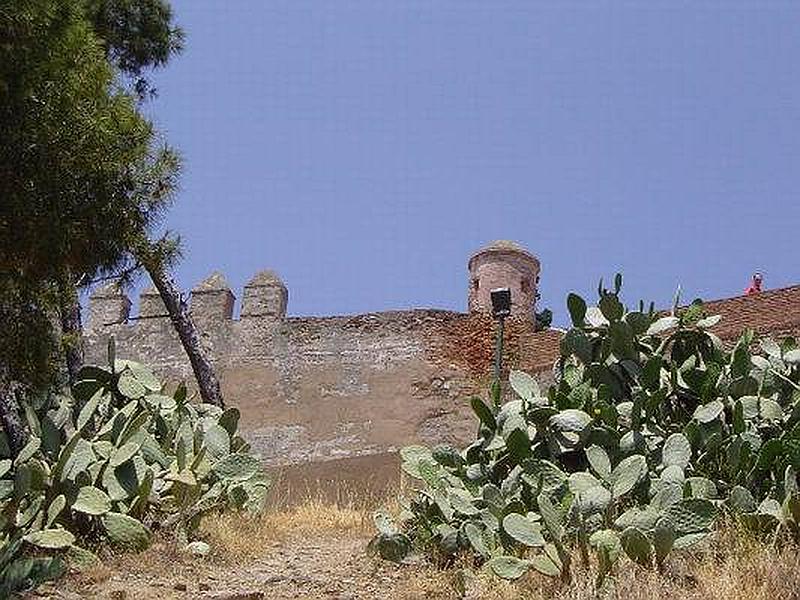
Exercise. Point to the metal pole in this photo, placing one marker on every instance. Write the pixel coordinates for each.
(498, 353)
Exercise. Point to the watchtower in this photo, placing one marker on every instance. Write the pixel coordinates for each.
(504, 263)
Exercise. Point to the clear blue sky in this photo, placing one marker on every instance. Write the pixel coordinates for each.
(364, 149)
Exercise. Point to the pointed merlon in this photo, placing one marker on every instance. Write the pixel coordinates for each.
(212, 298)
(265, 295)
(108, 305)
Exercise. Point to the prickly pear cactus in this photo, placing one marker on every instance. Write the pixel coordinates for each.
(115, 456)
(652, 429)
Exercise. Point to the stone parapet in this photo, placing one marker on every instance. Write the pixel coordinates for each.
(326, 388)
(150, 304)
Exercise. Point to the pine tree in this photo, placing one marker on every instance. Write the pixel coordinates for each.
(84, 179)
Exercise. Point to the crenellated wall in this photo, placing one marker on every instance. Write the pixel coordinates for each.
(318, 388)
(322, 388)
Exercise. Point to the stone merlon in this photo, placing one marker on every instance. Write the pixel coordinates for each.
(108, 305)
(212, 298)
(265, 295)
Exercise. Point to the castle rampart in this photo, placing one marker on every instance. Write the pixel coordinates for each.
(320, 388)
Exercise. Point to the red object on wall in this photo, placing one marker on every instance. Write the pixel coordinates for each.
(755, 284)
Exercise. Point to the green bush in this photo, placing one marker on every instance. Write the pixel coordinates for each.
(652, 429)
(109, 463)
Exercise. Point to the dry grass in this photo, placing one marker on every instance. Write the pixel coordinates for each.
(237, 537)
(736, 567)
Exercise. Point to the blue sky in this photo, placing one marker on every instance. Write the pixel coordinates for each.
(364, 149)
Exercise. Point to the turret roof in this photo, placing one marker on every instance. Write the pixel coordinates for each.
(504, 246)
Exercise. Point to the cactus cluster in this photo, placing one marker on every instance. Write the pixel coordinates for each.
(110, 461)
(652, 429)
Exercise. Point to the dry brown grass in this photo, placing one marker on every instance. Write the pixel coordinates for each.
(736, 567)
(237, 537)
(315, 513)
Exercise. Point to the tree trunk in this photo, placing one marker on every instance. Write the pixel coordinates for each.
(10, 414)
(178, 311)
(71, 329)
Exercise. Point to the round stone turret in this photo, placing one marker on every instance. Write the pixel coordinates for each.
(504, 264)
(265, 295)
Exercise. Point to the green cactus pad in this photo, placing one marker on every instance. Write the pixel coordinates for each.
(125, 453)
(523, 530)
(677, 451)
(548, 563)
(627, 474)
(55, 508)
(593, 500)
(741, 500)
(509, 567)
(237, 467)
(550, 476)
(691, 515)
(394, 547)
(708, 412)
(218, 442)
(607, 544)
(50, 538)
(551, 518)
(599, 461)
(524, 385)
(92, 501)
(580, 481)
(637, 546)
(130, 387)
(476, 539)
(570, 420)
(125, 531)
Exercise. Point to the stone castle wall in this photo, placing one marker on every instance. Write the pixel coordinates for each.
(322, 388)
(313, 389)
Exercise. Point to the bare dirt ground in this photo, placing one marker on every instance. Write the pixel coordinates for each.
(319, 553)
(310, 544)
(302, 567)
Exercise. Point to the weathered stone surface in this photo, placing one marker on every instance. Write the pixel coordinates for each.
(212, 298)
(151, 306)
(315, 389)
(265, 295)
(108, 305)
(504, 263)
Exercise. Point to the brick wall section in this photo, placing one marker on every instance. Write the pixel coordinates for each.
(775, 312)
(322, 388)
